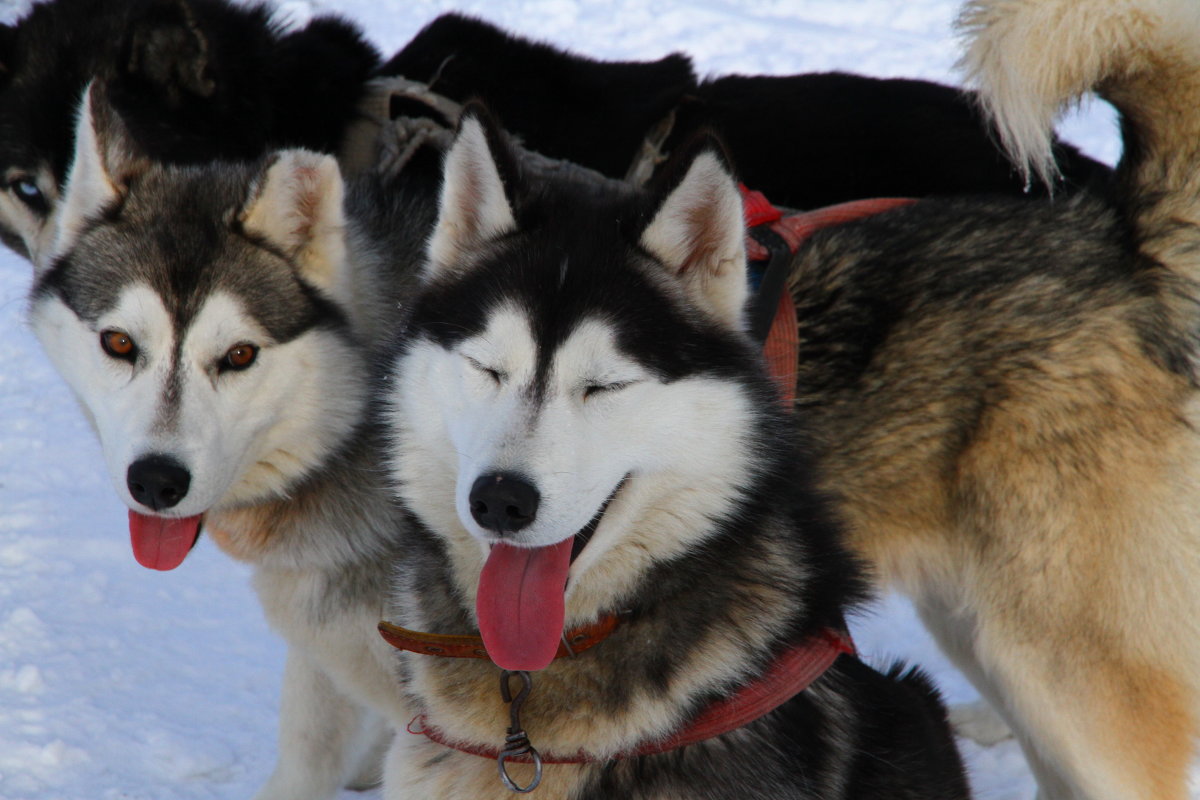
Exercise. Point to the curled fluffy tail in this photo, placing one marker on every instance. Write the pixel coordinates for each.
(1031, 58)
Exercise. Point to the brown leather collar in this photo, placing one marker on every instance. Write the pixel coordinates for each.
(573, 642)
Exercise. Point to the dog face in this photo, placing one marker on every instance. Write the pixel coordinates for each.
(196, 314)
(40, 88)
(577, 383)
(28, 196)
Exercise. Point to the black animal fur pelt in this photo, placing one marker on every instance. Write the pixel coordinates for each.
(804, 140)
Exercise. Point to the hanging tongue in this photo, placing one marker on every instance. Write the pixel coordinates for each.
(162, 542)
(520, 603)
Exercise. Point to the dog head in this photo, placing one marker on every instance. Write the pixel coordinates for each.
(575, 373)
(40, 87)
(199, 315)
(171, 78)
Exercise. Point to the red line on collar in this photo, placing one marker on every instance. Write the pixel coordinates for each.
(786, 676)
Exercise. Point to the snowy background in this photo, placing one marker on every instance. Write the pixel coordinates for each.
(119, 683)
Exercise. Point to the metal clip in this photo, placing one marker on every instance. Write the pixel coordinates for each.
(516, 743)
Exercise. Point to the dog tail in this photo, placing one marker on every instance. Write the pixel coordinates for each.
(1031, 58)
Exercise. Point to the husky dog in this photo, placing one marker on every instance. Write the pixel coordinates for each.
(577, 404)
(1004, 398)
(215, 323)
(804, 140)
(196, 80)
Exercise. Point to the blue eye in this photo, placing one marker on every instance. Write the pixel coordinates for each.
(27, 192)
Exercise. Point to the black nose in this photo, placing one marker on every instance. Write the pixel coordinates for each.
(157, 482)
(503, 502)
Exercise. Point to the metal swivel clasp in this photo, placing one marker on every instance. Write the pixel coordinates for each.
(516, 743)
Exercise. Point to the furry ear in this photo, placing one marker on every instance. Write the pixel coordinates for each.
(106, 160)
(698, 233)
(168, 49)
(296, 207)
(474, 207)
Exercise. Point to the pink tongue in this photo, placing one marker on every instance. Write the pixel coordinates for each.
(520, 604)
(162, 542)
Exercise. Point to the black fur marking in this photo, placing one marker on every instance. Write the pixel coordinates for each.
(804, 140)
(172, 235)
(607, 277)
(562, 105)
(902, 748)
(812, 140)
(584, 535)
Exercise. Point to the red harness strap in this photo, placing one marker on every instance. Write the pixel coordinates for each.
(782, 345)
(790, 673)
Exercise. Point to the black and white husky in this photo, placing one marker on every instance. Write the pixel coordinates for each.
(584, 432)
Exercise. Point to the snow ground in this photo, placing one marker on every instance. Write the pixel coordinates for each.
(118, 683)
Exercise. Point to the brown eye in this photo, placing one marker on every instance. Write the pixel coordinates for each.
(239, 357)
(118, 344)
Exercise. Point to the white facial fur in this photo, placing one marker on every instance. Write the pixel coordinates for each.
(242, 435)
(32, 226)
(677, 442)
(681, 447)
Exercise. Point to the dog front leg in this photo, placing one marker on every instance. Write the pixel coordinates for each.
(1094, 724)
(326, 739)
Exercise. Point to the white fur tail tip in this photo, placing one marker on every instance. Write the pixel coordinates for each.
(1030, 59)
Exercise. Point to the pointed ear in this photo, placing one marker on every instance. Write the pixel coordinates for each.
(698, 233)
(296, 207)
(475, 206)
(106, 160)
(168, 49)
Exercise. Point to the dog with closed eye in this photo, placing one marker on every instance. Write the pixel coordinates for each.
(594, 456)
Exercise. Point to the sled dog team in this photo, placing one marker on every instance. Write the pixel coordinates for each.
(619, 567)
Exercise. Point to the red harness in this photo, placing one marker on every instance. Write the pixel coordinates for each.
(782, 345)
(796, 668)
(787, 675)
(790, 673)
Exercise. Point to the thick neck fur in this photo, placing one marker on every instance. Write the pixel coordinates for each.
(341, 515)
(700, 624)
